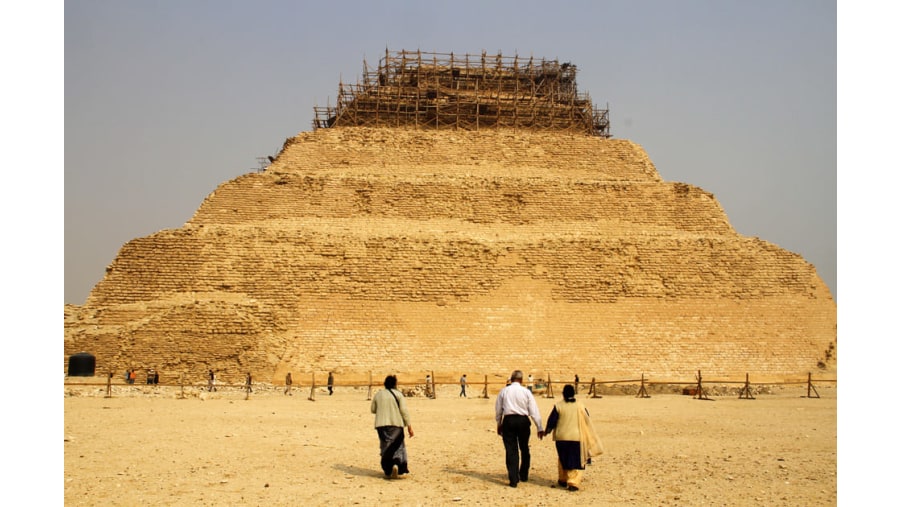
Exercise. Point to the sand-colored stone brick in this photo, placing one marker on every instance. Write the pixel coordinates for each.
(364, 249)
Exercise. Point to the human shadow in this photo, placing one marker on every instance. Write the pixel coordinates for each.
(498, 478)
(358, 471)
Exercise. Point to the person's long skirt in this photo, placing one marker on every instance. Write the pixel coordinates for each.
(393, 449)
(570, 469)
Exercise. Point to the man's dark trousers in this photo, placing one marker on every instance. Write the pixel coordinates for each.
(516, 431)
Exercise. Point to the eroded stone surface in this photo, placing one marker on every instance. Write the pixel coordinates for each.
(382, 250)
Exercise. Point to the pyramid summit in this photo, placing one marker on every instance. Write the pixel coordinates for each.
(470, 92)
(390, 244)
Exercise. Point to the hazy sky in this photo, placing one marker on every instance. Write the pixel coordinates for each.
(166, 100)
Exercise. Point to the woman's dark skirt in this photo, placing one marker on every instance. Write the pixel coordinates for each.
(393, 449)
(569, 452)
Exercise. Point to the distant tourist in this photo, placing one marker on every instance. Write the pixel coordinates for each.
(211, 381)
(330, 383)
(391, 416)
(462, 386)
(248, 383)
(575, 438)
(287, 384)
(530, 383)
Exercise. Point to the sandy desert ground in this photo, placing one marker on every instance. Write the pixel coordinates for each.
(148, 445)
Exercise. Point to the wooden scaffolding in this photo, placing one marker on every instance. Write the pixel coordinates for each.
(468, 92)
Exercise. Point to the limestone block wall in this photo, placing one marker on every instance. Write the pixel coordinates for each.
(390, 250)
(401, 151)
(270, 196)
(279, 267)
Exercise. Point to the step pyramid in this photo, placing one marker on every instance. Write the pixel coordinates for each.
(392, 249)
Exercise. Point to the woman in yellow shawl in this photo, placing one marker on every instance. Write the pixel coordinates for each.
(575, 438)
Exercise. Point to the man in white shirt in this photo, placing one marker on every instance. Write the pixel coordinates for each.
(514, 406)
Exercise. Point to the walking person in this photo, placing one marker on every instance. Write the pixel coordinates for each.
(513, 408)
(575, 439)
(288, 381)
(248, 383)
(391, 416)
(211, 381)
(330, 383)
(462, 386)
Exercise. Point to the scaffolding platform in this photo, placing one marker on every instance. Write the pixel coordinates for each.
(469, 92)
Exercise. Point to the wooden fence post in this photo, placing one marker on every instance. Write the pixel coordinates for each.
(642, 393)
(745, 391)
(433, 386)
(700, 394)
(484, 394)
(549, 393)
(810, 386)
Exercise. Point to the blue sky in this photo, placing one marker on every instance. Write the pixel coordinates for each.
(166, 100)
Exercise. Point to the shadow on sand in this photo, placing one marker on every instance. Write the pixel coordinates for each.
(493, 478)
(358, 471)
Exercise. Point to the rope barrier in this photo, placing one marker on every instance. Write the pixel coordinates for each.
(700, 390)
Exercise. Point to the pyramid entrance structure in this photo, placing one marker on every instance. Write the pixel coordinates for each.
(457, 214)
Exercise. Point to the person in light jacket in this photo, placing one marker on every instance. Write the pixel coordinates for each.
(391, 416)
(575, 438)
